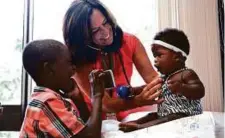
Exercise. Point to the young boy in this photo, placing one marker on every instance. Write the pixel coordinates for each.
(182, 88)
(49, 113)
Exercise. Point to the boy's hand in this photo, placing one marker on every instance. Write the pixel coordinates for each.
(73, 91)
(96, 79)
(129, 126)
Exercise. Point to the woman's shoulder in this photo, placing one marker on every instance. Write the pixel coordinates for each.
(128, 36)
(130, 42)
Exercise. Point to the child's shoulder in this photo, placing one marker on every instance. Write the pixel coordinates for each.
(44, 96)
(185, 75)
(188, 72)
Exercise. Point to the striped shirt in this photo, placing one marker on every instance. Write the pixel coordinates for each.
(176, 103)
(50, 115)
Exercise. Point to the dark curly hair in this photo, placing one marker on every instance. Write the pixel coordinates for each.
(77, 31)
(174, 37)
(39, 51)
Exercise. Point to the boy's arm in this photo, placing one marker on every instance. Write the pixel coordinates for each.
(61, 120)
(93, 126)
(189, 85)
(58, 118)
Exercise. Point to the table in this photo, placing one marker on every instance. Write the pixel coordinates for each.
(206, 125)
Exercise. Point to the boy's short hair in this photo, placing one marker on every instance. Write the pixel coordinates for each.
(174, 37)
(39, 51)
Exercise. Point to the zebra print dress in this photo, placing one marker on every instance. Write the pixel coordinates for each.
(175, 103)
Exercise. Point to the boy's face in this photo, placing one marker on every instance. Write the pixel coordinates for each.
(63, 70)
(164, 59)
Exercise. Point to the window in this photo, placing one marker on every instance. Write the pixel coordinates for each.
(11, 26)
(10, 51)
(9, 134)
(48, 23)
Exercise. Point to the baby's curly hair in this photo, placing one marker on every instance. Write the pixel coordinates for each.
(174, 37)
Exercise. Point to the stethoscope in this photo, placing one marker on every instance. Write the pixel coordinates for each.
(122, 91)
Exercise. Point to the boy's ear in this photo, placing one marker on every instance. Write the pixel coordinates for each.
(48, 68)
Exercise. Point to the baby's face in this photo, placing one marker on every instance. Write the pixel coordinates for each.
(164, 59)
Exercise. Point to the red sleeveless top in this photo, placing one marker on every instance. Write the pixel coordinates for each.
(127, 50)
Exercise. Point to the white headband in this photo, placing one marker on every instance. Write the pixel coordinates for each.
(169, 46)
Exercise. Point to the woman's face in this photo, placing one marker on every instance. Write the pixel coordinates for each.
(102, 33)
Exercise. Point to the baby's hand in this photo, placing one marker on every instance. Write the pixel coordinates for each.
(96, 79)
(129, 126)
(175, 86)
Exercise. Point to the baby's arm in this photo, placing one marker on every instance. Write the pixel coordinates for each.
(188, 85)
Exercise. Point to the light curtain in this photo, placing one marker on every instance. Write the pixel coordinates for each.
(199, 20)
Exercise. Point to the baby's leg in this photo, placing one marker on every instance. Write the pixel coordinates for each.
(149, 117)
(161, 120)
(136, 124)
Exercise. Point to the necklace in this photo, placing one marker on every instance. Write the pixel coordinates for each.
(180, 70)
(98, 49)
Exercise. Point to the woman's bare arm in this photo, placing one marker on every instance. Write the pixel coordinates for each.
(92, 128)
(143, 64)
(146, 97)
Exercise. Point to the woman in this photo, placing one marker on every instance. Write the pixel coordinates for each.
(97, 42)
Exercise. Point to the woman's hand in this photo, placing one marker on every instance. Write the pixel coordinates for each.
(96, 79)
(74, 91)
(150, 93)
